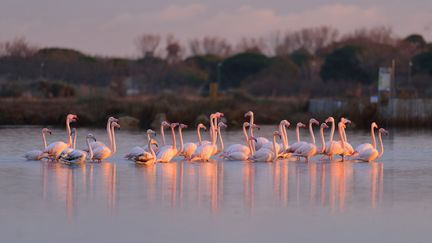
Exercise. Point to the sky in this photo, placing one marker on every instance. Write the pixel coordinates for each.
(110, 27)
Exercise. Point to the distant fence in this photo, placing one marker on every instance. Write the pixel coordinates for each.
(399, 112)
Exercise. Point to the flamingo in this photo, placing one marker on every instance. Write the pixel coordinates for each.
(137, 150)
(260, 140)
(349, 150)
(38, 154)
(282, 130)
(240, 155)
(182, 152)
(147, 158)
(164, 124)
(298, 144)
(265, 154)
(213, 126)
(68, 150)
(220, 125)
(77, 156)
(101, 153)
(189, 148)
(371, 154)
(205, 150)
(167, 153)
(309, 150)
(54, 149)
(239, 147)
(368, 145)
(96, 144)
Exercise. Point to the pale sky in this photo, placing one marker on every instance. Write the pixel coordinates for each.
(109, 27)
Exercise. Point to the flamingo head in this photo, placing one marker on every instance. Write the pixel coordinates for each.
(112, 119)
(285, 123)
(182, 126)
(383, 131)
(276, 133)
(174, 125)
(300, 125)
(345, 121)
(246, 124)
(313, 121)
(330, 119)
(115, 125)
(374, 125)
(202, 126)
(255, 126)
(249, 113)
(222, 125)
(46, 131)
(72, 118)
(219, 114)
(151, 132)
(341, 125)
(91, 136)
(324, 126)
(165, 124)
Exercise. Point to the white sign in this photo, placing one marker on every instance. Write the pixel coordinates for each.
(384, 79)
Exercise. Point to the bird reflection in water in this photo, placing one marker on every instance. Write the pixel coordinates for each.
(62, 180)
(334, 185)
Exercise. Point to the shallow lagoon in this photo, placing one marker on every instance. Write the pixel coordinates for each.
(115, 201)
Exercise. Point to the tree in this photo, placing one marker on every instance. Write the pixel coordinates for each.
(173, 49)
(343, 64)
(416, 40)
(19, 47)
(422, 63)
(240, 66)
(210, 46)
(147, 44)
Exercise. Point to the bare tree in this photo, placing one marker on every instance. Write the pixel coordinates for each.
(379, 34)
(311, 39)
(210, 45)
(174, 49)
(256, 45)
(147, 44)
(18, 47)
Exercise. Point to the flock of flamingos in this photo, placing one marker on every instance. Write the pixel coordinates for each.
(254, 149)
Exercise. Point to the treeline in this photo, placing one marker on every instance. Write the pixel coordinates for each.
(309, 62)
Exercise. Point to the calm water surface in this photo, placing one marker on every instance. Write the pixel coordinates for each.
(286, 201)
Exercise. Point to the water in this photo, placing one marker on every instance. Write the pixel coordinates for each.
(115, 201)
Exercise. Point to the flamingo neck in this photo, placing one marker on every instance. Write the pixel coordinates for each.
(113, 141)
(212, 126)
(181, 139)
(298, 133)
(89, 148)
(174, 146)
(44, 140)
(150, 148)
(108, 128)
(68, 130)
(251, 122)
(274, 146)
(199, 135)
(373, 137)
(332, 131)
(74, 140)
(220, 139)
(341, 137)
(283, 131)
(322, 140)
(245, 134)
(162, 130)
(381, 145)
(311, 132)
(251, 148)
(148, 137)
